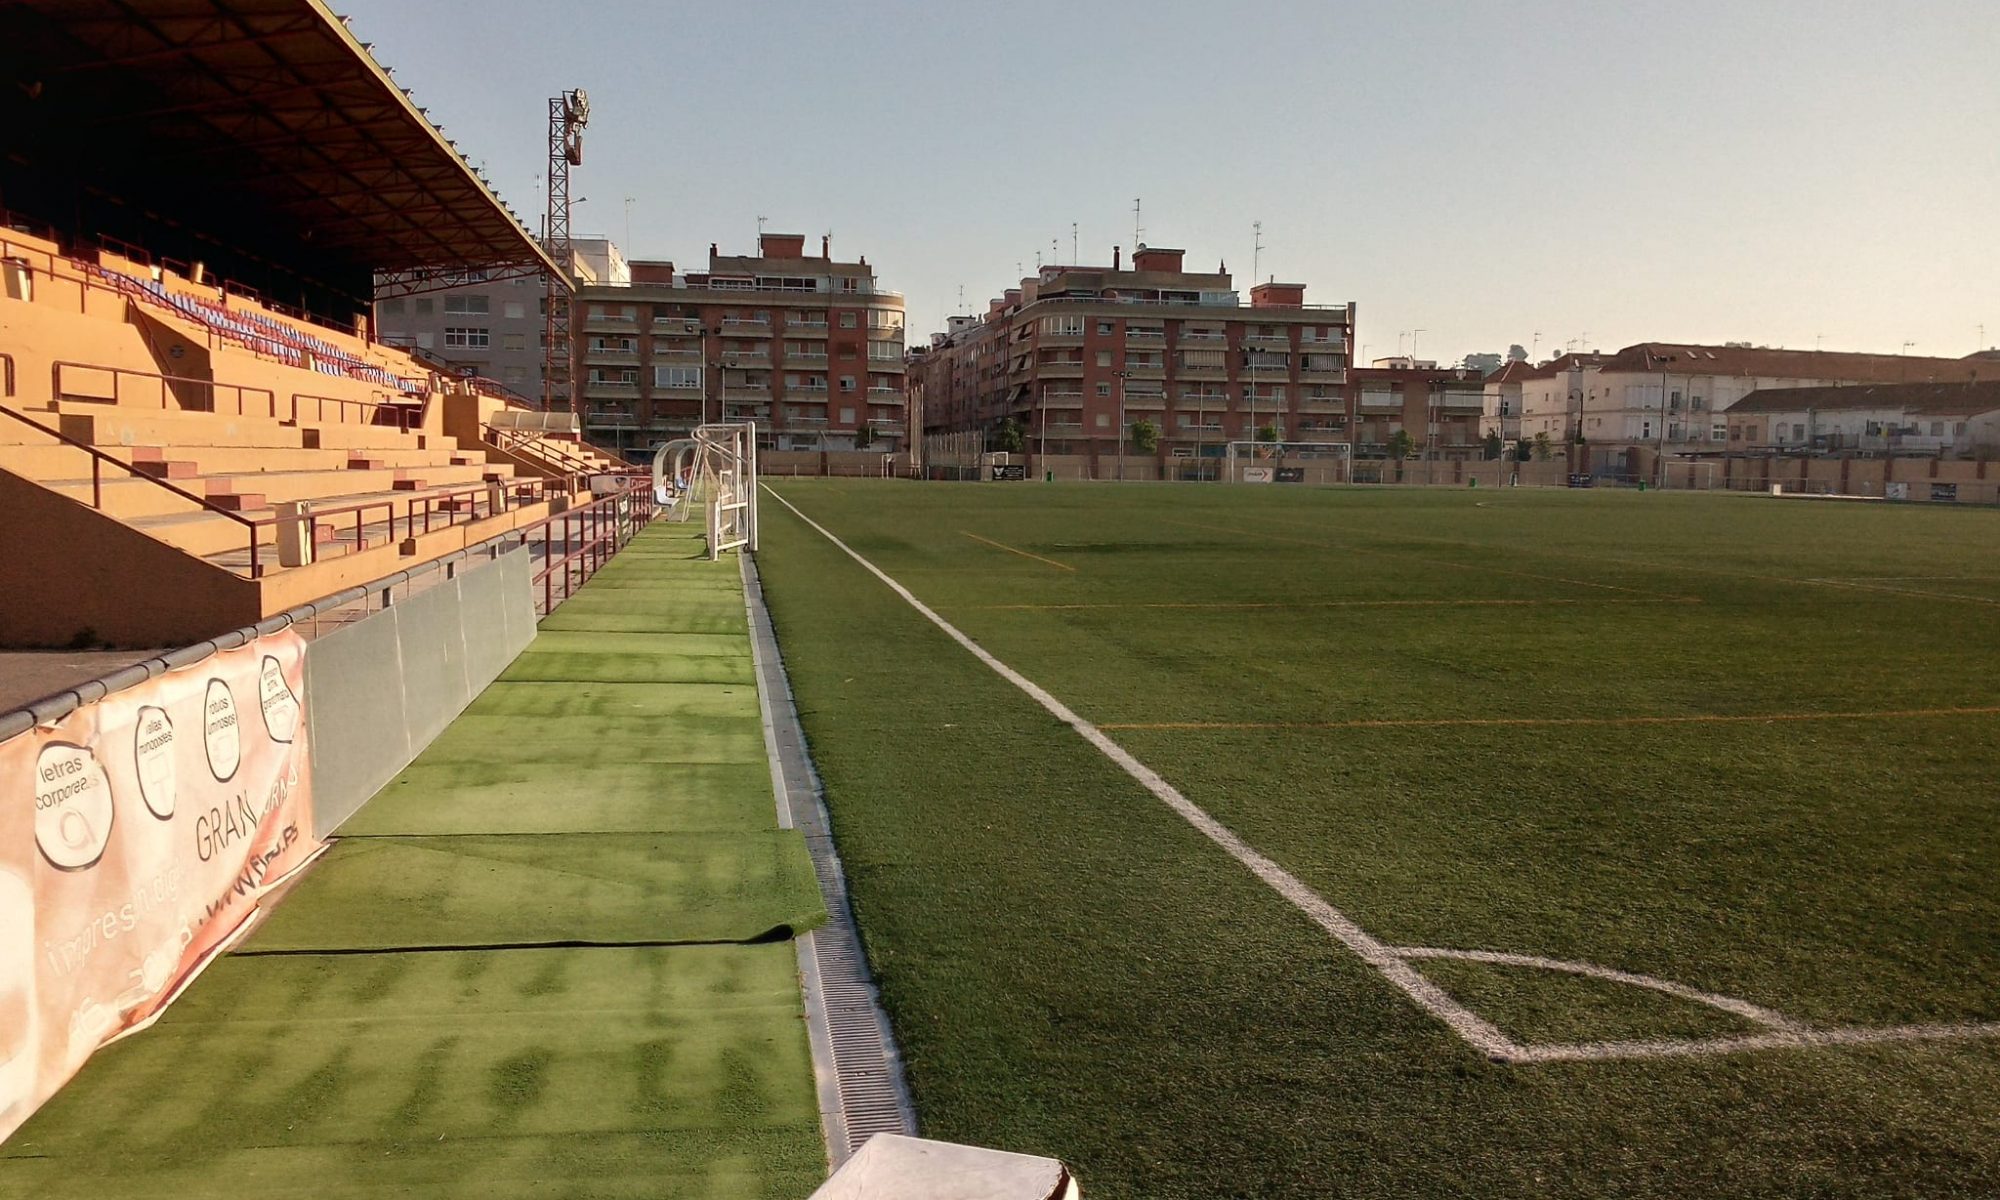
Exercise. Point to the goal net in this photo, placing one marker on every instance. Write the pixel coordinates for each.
(714, 471)
(1288, 462)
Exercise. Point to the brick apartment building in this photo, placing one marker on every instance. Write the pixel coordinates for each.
(1440, 408)
(1076, 355)
(809, 348)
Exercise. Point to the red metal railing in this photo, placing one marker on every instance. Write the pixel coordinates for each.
(577, 542)
(98, 459)
(115, 384)
(400, 416)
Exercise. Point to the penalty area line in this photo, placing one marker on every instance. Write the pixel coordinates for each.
(975, 537)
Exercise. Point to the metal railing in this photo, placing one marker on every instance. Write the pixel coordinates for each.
(171, 391)
(401, 416)
(588, 535)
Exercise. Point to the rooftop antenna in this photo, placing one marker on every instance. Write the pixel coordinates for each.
(1982, 339)
(1413, 341)
(1138, 230)
(1534, 345)
(961, 297)
(1075, 256)
(1054, 253)
(1817, 339)
(628, 224)
(1256, 249)
(1583, 343)
(1908, 346)
(1400, 335)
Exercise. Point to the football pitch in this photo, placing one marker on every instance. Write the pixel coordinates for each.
(1297, 842)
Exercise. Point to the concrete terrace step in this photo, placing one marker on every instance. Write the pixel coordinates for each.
(342, 481)
(108, 425)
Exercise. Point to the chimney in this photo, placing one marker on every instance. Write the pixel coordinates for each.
(1114, 258)
(826, 245)
(712, 251)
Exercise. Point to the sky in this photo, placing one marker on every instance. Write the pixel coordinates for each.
(1470, 174)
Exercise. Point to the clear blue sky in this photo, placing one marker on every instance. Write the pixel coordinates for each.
(1770, 171)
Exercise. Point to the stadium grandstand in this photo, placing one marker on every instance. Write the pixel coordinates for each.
(199, 200)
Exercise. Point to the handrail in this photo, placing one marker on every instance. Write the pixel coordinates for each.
(402, 412)
(212, 386)
(99, 457)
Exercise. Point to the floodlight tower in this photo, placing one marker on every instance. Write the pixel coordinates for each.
(568, 114)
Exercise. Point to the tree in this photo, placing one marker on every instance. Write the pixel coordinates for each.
(1494, 447)
(1401, 445)
(1268, 433)
(864, 435)
(1542, 449)
(1485, 364)
(1517, 353)
(1145, 437)
(1007, 436)
(1523, 451)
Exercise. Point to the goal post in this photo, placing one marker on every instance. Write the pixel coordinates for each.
(1288, 462)
(715, 466)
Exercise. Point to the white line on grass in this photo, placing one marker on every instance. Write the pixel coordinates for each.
(1393, 962)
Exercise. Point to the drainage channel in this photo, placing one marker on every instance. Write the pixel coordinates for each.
(855, 1061)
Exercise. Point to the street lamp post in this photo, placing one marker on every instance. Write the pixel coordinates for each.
(1122, 377)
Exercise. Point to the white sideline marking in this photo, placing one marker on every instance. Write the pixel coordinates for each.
(1392, 962)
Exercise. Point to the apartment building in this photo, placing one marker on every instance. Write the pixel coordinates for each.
(1077, 355)
(1960, 419)
(1440, 408)
(1500, 413)
(809, 348)
(1552, 397)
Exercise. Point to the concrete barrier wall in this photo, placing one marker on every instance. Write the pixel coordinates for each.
(380, 689)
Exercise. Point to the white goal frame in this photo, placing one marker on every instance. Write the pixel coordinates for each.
(1241, 455)
(715, 465)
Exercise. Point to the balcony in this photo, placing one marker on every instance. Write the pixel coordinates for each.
(1061, 400)
(1323, 374)
(676, 353)
(1323, 406)
(746, 412)
(746, 391)
(886, 331)
(676, 391)
(1145, 370)
(806, 395)
(1145, 335)
(1267, 341)
(805, 358)
(1044, 338)
(687, 326)
(1061, 370)
(610, 387)
(759, 356)
(1204, 337)
(627, 357)
(888, 366)
(1145, 400)
(745, 327)
(806, 329)
(885, 396)
(1201, 371)
(1382, 400)
(611, 321)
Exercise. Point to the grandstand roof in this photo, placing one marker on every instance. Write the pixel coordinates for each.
(265, 121)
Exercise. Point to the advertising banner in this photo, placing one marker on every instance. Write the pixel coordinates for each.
(136, 836)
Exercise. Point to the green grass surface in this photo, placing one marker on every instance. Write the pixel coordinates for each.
(639, 1072)
(371, 1039)
(1073, 970)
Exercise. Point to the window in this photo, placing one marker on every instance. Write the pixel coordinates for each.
(1104, 420)
(514, 374)
(466, 306)
(514, 341)
(1937, 428)
(1735, 433)
(1104, 329)
(1062, 326)
(1716, 434)
(847, 383)
(676, 377)
(1104, 389)
(1958, 430)
(466, 337)
(847, 321)
(515, 310)
(847, 350)
(426, 340)
(389, 308)
(421, 306)
(847, 416)
(885, 351)
(1104, 358)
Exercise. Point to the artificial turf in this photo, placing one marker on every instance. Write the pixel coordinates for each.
(1073, 970)
(469, 994)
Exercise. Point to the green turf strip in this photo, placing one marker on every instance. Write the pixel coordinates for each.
(546, 700)
(498, 890)
(1074, 971)
(536, 796)
(629, 1072)
(644, 644)
(687, 737)
(636, 666)
(716, 618)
